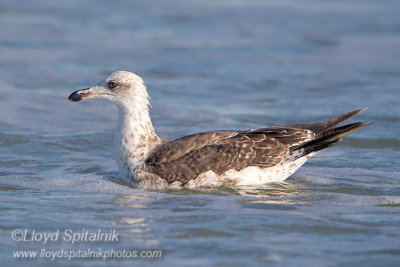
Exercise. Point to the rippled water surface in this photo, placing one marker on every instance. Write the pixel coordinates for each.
(208, 65)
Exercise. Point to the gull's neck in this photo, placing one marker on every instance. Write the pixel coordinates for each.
(134, 137)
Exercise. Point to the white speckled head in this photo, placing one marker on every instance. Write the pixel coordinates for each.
(135, 135)
(121, 87)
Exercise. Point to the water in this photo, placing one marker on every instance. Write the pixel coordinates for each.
(208, 65)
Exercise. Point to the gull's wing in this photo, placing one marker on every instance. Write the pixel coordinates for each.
(186, 158)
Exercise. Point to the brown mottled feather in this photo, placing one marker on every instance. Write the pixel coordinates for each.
(186, 158)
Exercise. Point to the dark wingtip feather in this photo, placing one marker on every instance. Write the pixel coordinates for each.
(348, 129)
(336, 121)
(331, 137)
(320, 128)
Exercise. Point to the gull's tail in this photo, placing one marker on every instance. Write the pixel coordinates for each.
(327, 132)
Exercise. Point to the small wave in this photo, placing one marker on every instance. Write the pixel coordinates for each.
(325, 175)
(81, 183)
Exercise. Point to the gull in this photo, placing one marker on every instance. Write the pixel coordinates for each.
(214, 158)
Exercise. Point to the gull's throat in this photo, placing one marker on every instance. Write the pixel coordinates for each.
(134, 137)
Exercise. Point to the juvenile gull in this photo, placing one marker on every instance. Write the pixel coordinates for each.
(216, 158)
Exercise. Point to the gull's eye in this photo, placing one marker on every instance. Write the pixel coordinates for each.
(112, 84)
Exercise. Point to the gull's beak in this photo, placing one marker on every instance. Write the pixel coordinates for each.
(79, 95)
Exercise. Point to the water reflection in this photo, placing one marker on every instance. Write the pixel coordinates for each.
(267, 190)
(274, 190)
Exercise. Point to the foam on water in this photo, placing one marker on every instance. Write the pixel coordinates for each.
(107, 181)
(79, 183)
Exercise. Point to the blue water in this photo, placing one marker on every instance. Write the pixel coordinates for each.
(208, 65)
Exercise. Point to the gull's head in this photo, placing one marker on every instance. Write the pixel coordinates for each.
(120, 87)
